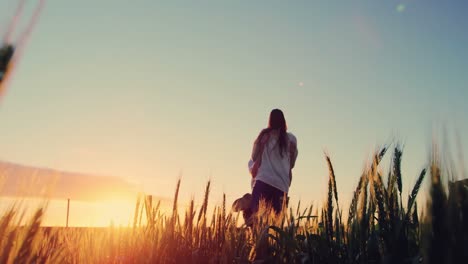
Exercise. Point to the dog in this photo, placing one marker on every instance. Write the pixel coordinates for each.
(243, 205)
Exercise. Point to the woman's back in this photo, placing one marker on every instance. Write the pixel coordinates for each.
(276, 165)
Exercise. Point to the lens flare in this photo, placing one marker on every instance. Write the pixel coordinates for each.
(401, 8)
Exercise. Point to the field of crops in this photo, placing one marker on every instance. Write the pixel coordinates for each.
(381, 227)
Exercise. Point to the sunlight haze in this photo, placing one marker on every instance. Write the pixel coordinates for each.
(150, 91)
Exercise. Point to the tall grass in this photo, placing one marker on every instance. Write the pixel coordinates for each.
(378, 228)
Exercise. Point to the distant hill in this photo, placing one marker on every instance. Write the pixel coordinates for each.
(27, 181)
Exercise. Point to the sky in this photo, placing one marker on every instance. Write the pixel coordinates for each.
(150, 91)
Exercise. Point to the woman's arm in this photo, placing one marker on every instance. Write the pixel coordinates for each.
(293, 152)
(292, 157)
(259, 142)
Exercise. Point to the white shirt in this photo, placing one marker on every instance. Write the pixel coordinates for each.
(274, 169)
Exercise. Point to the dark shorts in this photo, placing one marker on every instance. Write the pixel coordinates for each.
(270, 194)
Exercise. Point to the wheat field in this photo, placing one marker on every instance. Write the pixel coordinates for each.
(379, 228)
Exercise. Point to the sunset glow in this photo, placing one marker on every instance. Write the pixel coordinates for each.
(233, 131)
(116, 212)
(164, 102)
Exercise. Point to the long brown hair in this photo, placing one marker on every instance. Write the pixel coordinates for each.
(278, 122)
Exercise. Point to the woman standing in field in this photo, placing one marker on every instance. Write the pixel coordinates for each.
(274, 155)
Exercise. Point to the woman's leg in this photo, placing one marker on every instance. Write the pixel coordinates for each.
(270, 194)
(277, 200)
(258, 193)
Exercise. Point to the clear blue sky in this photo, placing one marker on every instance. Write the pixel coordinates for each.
(149, 90)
